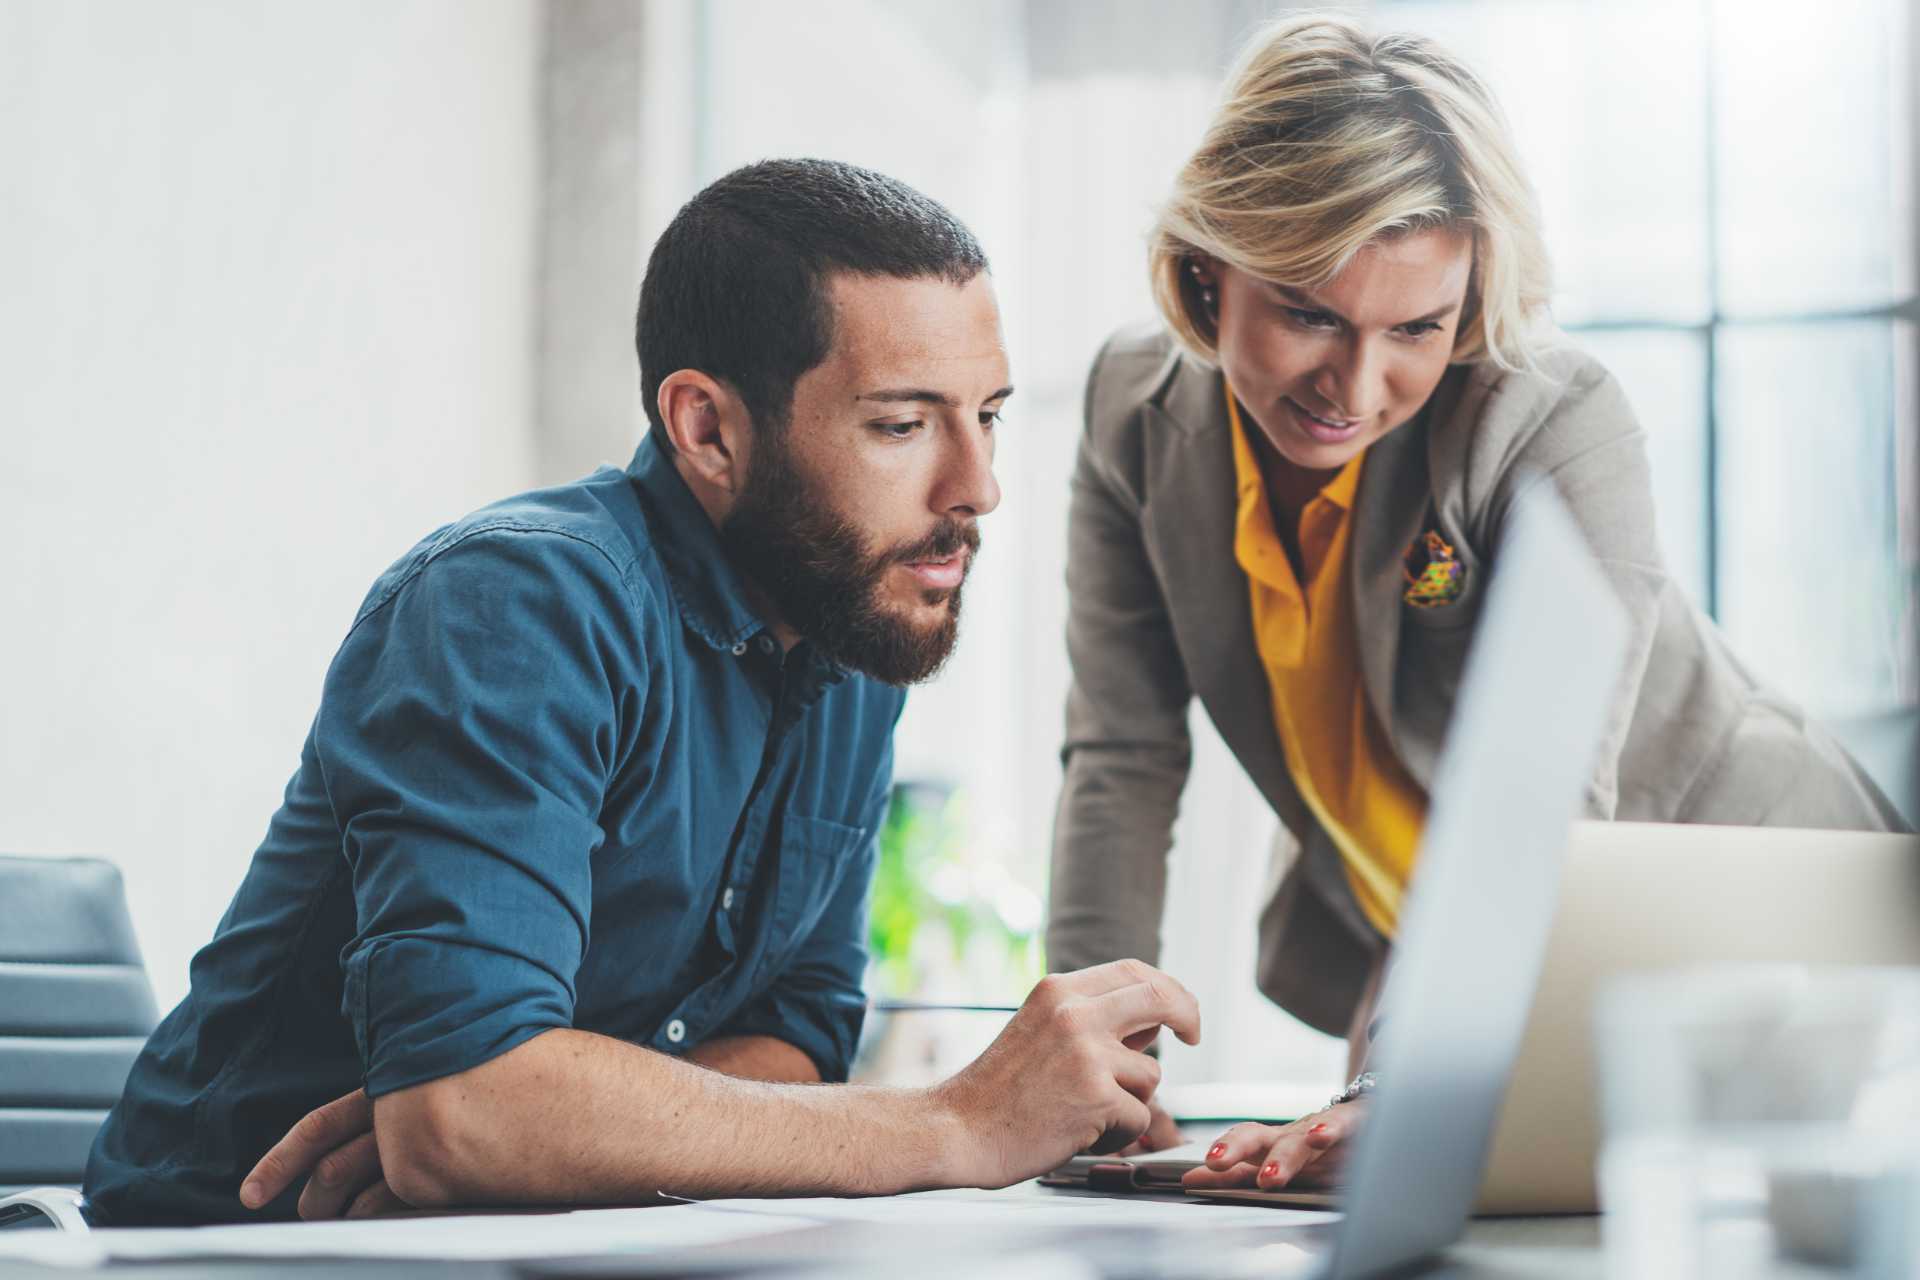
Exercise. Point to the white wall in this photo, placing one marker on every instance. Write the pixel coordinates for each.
(265, 308)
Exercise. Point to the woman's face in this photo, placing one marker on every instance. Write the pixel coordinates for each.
(1326, 372)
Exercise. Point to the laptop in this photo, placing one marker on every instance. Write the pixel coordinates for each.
(1532, 705)
(1638, 896)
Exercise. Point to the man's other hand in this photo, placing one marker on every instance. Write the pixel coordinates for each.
(1163, 1133)
(335, 1144)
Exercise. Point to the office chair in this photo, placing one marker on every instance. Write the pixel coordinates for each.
(75, 1008)
(1887, 746)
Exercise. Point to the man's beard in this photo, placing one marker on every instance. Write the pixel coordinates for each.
(814, 565)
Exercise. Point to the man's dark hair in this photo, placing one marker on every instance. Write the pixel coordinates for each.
(737, 285)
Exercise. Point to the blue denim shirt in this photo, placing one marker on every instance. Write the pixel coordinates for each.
(561, 776)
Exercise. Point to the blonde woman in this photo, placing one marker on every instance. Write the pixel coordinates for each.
(1288, 501)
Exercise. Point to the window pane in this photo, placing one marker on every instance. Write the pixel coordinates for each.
(1809, 148)
(1612, 129)
(1665, 375)
(1816, 590)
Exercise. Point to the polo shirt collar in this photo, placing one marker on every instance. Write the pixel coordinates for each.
(1339, 491)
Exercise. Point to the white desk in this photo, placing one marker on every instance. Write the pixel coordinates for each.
(964, 1232)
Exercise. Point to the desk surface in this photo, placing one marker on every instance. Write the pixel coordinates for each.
(1560, 1248)
(1553, 1248)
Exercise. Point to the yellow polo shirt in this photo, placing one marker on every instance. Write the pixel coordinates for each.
(1340, 759)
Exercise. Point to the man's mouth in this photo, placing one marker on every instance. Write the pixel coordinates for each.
(1325, 430)
(940, 573)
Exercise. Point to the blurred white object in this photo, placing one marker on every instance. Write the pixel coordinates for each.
(1761, 1116)
(42, 1207)
(1638, 897)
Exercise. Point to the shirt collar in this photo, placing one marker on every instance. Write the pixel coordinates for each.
(709, 590)
(1341, 488)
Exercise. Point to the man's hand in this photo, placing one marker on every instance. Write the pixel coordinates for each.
(1068, 1073)
(1162, 1133)
(1310, 1152)
(335, 1144)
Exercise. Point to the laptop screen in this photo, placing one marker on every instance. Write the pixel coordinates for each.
(1546, 655)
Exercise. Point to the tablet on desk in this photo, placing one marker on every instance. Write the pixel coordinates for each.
(1160, 1172)
(1279, 1198)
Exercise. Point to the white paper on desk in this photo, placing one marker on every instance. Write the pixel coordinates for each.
(462, 1238)
(1016, 1208)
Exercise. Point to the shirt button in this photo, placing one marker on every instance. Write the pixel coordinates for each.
(676, 1031)
(766, 643)
(740, 648)
(726, 900)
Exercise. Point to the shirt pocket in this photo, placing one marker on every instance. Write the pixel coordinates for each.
(815, 855)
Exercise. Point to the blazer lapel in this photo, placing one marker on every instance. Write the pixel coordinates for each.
(1189, 522)
(1388, 513)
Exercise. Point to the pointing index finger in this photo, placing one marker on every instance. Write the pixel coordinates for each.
(1142, 1006)
(1097, 980)
(317, 1133)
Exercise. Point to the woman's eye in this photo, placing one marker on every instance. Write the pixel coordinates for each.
(1420, 328)
(1310, 319)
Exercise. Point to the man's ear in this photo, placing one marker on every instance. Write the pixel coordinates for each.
(708, 424)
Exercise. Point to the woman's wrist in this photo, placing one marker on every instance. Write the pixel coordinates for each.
(1363, 1084)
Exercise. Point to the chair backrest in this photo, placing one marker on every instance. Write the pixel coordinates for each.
(75, 1008)
(1888, 748)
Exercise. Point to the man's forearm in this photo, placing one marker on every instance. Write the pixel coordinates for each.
(572, 1117)
(757, 1058)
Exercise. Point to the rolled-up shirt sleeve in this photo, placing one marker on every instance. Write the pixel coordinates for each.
(467, 732)
(818, 1001)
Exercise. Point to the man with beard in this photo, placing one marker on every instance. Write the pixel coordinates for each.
(566, 901)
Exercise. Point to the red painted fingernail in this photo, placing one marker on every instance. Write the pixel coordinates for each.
(1319, 1128)
(1271, 1169)
(1219, 1149)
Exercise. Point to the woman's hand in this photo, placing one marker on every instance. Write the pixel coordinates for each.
(1310, 1152)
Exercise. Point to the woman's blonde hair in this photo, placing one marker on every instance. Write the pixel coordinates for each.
(1329, 138)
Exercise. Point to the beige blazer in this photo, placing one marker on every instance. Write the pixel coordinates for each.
(1159, 613)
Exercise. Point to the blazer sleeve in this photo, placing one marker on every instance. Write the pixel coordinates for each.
(1127, 748)
(1590, 446)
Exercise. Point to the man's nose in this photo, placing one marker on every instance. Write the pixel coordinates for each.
(967, 486)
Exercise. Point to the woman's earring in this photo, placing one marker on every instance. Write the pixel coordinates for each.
(1206, 287)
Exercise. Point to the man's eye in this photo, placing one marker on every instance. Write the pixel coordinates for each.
(1310, 319)
(898, 430)
(993, 418)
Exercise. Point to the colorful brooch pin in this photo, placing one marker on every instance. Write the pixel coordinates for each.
(1435, 576)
